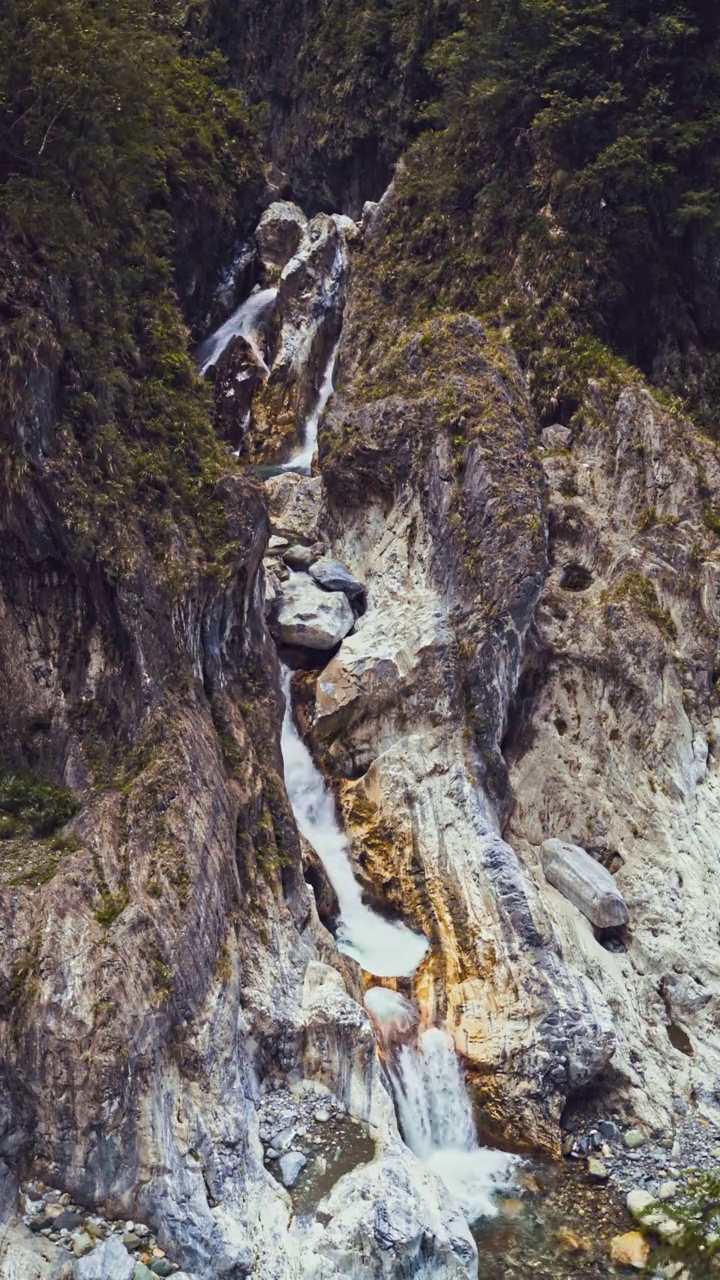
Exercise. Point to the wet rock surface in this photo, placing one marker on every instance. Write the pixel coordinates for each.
(311, 291)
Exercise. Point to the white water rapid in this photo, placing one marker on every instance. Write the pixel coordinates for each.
(433, 1108)
(302, 460)
(384, 948)
(247, 321)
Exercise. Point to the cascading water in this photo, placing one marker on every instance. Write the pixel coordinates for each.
(433, 1108)
(302, 460)
(432, 1103)
(247, 321)
(384, 948)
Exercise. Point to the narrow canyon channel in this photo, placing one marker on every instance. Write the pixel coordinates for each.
(359, 640)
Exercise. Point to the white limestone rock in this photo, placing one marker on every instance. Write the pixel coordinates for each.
(645, 1209)
(109, 1260)
(291, 1166)
(23, 1258)
(392, 1209)
(585, 883)
(306, 616)
(294, 506)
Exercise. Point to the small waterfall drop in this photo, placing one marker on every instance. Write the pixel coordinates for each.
(302, 460)
(246, 321)
(383, 947)
(433, 1107)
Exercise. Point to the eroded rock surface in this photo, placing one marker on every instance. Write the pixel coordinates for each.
(294, 505)
(278, 235)
(310, 263)
(454, 561)
(611, 743)
(572, 639)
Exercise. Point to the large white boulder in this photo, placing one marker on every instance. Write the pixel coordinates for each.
(303, 614)
(278, 236)
(585, 883)
(388, 1218)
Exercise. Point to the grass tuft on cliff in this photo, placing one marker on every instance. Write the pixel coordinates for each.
(30, 805)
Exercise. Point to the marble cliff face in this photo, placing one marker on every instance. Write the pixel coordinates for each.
(520, 645)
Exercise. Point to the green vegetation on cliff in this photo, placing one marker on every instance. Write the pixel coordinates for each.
(341, 84)
(123, 164)
(568, 182)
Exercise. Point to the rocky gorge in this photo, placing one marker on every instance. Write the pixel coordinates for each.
(358, 818)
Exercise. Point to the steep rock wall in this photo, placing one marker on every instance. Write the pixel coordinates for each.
(435, 497)
(477, 652)
(613, 732)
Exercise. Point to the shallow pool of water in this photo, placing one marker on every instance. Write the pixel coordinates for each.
(558, 1227)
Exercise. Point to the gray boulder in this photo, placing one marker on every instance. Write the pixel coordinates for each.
(294, 505)
(299, 557)
(304, 615)
(278, 236)
(556, 437)
(333, 575)
(108, 1261)
(291, 1166)
(585, 883)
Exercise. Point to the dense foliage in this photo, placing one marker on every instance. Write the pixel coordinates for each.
(340, 83)
(575, 145)
(119, 159)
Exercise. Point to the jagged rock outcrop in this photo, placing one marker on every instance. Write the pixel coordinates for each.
(613, 729)
(590, 671)
(430, 503)
(163, 961)
(278, 236)
(294, 506)
(310, 263)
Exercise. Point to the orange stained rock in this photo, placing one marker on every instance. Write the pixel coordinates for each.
(630, 1250)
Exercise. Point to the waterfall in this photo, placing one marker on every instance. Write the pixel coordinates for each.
(433, 1107)
(432, 1102)
(302, 460)
(384, 948)
(247, 321)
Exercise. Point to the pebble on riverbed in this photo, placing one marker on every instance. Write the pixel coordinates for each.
(85, 1236)
(309, 1140)
(637, 1161)
(630, 1250)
